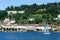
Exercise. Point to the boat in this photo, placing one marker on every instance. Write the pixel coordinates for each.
(46, 31)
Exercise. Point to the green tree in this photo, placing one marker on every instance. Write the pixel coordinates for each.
(3, 15)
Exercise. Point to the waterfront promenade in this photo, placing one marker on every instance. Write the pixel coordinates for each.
(28, 27)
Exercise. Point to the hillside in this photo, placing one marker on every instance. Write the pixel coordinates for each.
(40, 13)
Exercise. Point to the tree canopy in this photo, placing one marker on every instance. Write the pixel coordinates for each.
(3, 14)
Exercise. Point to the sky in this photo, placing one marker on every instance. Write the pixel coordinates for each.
(5, 3)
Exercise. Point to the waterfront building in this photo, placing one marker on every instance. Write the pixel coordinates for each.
(12, 27)
(19, 27)
(26, 27)
(54, 28)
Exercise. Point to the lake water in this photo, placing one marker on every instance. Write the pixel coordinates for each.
(28, 36)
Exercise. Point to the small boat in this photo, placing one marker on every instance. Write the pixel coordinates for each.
(46, 31)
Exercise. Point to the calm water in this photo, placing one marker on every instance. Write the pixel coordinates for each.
(28, 36)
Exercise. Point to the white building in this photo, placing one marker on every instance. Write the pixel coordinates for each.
(14, 28)
(21, 12)
(14, 12)
(31, 19)
(59, 16)
(11, 12)
(8, 21)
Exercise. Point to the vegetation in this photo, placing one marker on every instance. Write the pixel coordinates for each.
(3, 14)
(41, 13)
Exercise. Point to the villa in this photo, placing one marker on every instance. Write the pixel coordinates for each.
(14, 12)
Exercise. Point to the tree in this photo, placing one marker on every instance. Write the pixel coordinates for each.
(7, 8)
(3, 15)
(24, 7)
(11, 8)
(16, 8)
